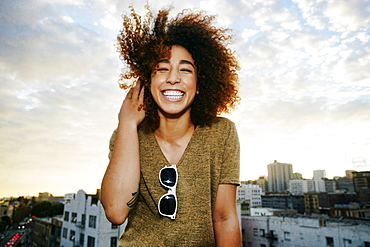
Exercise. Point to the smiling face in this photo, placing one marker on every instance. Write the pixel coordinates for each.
(174, 83)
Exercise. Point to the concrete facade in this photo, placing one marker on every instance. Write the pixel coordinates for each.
(301, 186)
(319, 178)
(279, 175)
(284, 201)
(302, 231)
(85, 224)
(250, 192)
(46, 232)
(271, 211)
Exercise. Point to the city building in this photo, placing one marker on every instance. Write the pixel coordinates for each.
(85, 223)
(46, 196)
(6, 209)
(344, 184)
(46, 231)
(320, 203)
(311, 203)
(352, 210)
(262, 182)
(244, 208)
(349, 173)
(297, 175)
(361, 181)
(271, 211)
(279, 175)
(300, 231)
(319, 178)
(301, 186)
(284, 201)
(330, 185)
(250, 192)
(43, 196)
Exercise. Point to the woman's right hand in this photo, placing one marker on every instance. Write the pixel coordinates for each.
(132, 111)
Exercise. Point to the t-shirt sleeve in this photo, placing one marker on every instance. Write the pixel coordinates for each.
(231, 157)
(111, 143)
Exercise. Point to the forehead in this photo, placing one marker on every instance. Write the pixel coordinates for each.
(177, 53)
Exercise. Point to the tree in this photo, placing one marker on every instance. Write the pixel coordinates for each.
(5, 222)
(21, 211)
(47, 209)
(42, 209)
(57, 209)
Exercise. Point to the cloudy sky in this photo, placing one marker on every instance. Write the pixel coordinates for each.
(305, 87)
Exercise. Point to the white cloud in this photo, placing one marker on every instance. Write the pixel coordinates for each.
(347, 15)
(67, 19)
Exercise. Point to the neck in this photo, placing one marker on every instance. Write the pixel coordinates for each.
(172, 129)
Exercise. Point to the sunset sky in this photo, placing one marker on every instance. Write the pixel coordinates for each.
(304, 84)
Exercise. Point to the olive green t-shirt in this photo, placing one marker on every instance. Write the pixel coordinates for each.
(211, 158)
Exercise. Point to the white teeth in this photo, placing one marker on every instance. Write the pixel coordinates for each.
(175, 95)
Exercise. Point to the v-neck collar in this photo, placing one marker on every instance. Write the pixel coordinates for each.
(183, 156)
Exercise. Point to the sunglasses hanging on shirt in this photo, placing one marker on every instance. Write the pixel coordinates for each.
(167, 205)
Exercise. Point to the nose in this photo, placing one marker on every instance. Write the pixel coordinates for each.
(173, 77)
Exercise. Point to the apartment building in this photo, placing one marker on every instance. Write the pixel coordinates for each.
(46, 231)
(301, 186)
(85, 223)
(284, 201)
(251, 193)
(304, 231)
(279, 175)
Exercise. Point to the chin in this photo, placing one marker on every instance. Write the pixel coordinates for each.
(175, 113)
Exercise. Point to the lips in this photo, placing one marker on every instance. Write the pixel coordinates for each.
(173, 95)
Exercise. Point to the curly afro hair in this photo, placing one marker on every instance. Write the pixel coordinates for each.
(144, 40)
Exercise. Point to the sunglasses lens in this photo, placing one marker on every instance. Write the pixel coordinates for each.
(168, 177)
(167, 204)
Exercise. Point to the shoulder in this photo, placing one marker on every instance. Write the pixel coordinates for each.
(222, 124)
(222, 121)
(220, 127)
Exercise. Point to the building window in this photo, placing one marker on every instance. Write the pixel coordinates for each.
(366, 244)
(92, 221)
(329, 241)
(114, 226)
(347, 242)
(74, 217)
(90, 241)
(72, 235)
(65, 232)
(83, 219)
(322, 223)
(82, 238)
(262, 232)
(66, 216)
(113, 242)
(255, 231)
(287, 235)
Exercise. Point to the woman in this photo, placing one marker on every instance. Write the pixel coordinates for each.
(174, 165)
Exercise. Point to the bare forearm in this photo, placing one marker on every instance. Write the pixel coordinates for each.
(122, 176)
(227, 233)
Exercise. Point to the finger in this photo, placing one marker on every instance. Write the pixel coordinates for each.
(130, 93)
(137, 89)
(141, 95)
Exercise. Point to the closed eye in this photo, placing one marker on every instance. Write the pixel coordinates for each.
(186, 70)
(162, 69)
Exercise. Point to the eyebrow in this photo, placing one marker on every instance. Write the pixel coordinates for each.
(181, 62)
